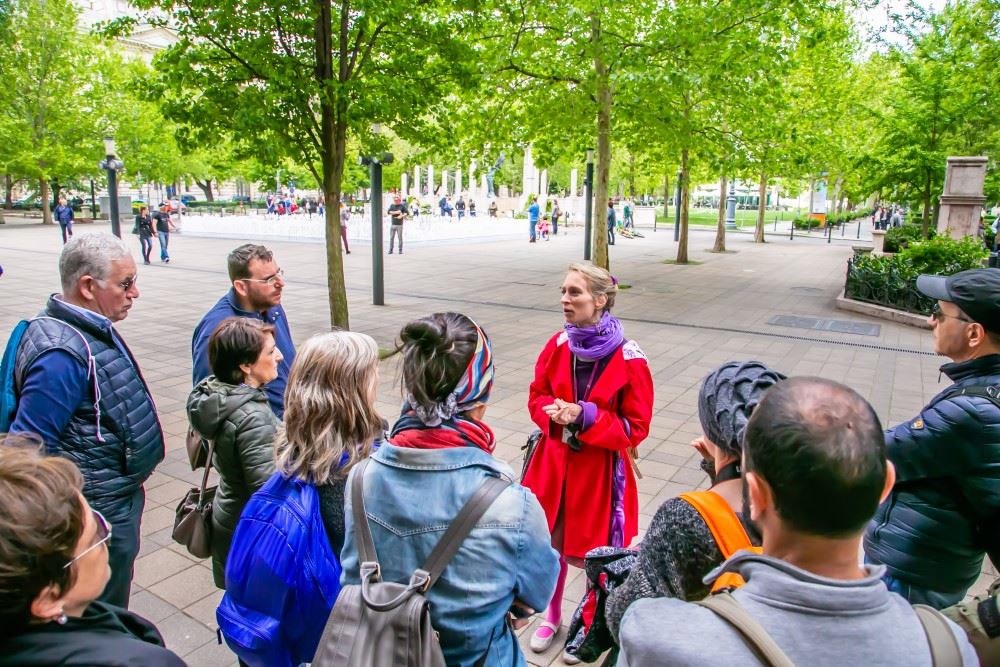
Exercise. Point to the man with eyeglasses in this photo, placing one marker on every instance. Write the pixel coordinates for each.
(943, 514)
(79, 387)
(257, 283)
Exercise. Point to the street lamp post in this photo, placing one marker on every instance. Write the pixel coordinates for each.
(588, 216)
(731, 207)
(374, 164)
(112, 165)
(677, 208)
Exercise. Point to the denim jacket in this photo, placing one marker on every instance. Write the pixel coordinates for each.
(411, 496)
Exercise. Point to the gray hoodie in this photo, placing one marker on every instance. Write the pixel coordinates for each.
(817, 622)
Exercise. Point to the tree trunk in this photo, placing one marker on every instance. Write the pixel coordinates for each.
(666, 195)
(682, 244)
(8, 192)
(720, 229)
(56, 189)
(600, 244)
(758, 232)
(925, 224)
(631, 176)
(333, 128)
(206, 187)
(43, 192)
(812, 195)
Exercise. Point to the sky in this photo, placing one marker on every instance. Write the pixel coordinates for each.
(876, 18)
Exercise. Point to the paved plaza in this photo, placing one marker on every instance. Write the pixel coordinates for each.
(687, 319)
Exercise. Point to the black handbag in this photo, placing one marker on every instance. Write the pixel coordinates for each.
(193, 520)
(529, 450)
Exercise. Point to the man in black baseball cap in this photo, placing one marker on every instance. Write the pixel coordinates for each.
(943, 514)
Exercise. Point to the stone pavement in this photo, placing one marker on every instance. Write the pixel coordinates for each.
(688, 319)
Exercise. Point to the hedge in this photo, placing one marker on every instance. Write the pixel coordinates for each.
(832, 220)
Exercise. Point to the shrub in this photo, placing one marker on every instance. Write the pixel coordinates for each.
(898, 239)
(890, 280)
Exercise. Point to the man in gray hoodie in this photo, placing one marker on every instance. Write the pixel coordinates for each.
(815, 470)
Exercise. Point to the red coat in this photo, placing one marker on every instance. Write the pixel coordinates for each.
(624, 390)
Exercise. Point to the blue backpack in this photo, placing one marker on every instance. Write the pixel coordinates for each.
(282, 577)
(8, 392)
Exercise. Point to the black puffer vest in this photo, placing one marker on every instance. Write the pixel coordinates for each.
(116, 441)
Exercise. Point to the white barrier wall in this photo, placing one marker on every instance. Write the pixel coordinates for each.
(304, 228)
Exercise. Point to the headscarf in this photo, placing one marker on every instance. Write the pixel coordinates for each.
(727, 398)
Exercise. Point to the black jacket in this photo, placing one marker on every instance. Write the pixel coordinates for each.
(934, 528)
(105, 635)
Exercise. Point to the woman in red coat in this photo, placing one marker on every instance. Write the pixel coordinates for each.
(593, 399)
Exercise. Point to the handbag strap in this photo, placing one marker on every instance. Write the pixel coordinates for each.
(944, 649)
(727, 608)
(208, 469)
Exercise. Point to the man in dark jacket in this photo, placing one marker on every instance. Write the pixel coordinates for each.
(257, 283)
(942, 516)
(64, 216)
(79, 388)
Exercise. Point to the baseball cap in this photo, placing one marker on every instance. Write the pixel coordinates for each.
(976, 292)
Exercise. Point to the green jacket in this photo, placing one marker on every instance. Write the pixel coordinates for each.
(240, 422)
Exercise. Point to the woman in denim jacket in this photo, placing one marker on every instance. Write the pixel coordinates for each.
(439, 453)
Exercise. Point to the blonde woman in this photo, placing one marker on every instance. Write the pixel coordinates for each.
(283, 572)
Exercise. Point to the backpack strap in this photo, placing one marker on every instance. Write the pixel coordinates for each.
(989, 392)
(460, 527)
(362, 533)
(726, 527)
(726, 607)
(944, 649)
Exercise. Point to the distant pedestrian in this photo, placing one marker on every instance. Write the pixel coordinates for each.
(472, 208)
(397, 214)
(64, 216)
(144, 228)
(533, 215)
(460, 207)
(612, 218)
(492, 210)
(556, 214)
(345, 217)
(163, 228)
(627, 221)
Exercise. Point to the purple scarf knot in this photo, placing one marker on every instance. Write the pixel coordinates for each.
(598, 341)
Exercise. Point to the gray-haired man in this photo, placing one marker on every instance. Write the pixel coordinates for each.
(80, 389)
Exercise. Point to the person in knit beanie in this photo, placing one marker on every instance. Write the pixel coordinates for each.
(679, 548)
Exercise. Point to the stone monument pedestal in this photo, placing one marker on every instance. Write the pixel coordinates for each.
(962, 200)
(878, 241)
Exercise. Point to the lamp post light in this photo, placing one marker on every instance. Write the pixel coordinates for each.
(731, 207)
(588, 216)
(112, 165)
(374, 164)
(677, 208)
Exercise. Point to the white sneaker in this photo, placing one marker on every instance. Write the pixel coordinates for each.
(540, 644)
(570, 659)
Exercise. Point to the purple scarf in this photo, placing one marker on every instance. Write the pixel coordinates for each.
(596, 342)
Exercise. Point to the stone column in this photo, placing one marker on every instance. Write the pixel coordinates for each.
(962, 201)
(430, 180)
(482, 184)
(573, 175)
(472, 179)
(444, 182)
(458, 181)
(529, 177)
(416, 181)
(404, 184)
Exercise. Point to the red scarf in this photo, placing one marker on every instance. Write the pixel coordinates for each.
(456, 432)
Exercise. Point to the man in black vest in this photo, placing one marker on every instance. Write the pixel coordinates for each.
(80, 389)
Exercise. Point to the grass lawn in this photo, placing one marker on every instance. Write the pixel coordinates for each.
(709, 217)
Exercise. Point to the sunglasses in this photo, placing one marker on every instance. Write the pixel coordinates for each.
(103, 535)
(939, 314)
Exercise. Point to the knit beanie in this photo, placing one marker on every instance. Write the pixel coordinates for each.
(727, 398)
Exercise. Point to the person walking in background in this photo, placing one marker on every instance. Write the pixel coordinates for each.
(163, 228)
(54, 560)
(472, 208)
(534, 214)
(257, 283)
(556, 215)
(592, 398)
(345, 217)
(79, 387)
(230, 408)
(64, 216)
(397, 214)
(460, 207)
(612, 219)
(144, 228)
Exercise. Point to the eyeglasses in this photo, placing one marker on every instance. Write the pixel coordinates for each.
(270, 282)
(103, 535)
(128, 283)
(939, 314)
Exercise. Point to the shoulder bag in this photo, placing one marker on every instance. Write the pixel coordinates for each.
(193, 521)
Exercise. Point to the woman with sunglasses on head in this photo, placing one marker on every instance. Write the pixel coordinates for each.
(440, 453)
(592, 397)
(53, 567)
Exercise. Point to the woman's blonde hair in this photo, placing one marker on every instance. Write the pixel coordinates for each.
(599, 282)
(329, 408)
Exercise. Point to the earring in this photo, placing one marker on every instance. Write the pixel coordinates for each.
(61, 618)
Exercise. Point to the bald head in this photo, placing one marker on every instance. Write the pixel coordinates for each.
(820, 447)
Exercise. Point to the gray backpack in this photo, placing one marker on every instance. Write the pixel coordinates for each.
(379, 623)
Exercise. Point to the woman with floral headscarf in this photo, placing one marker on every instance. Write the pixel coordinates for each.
(592, 397)
(439, 454)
